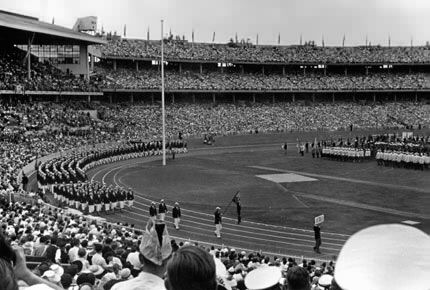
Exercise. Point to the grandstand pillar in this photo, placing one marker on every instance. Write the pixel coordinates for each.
(30, 98)
(180, 68)
(110, 99)
(194, 98)
(367, 70)
(173, 98)
(325, 70)
(213, 98)
(241, 69)
(395, 98)
(253, 98)
(234, 99)
(416, 97)
(262, 70)
(374, 97)
(29, 59)
(294, 98)
(152, 98)
(304, 71)
(273, 99)
(137, 66)
(114, 64)
(201, 68)
(313, 98)
(132, 98)
(89, 98)
(283, 70)
(332, 97)
(92, 62)
(353, 97)
(346, 71)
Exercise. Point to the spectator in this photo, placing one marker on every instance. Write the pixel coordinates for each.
(191, 268)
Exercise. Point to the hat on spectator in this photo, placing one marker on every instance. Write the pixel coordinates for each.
(155, 245)
(51, 276)
(57, 269)
(125, 273)
(263, 278)
(370, 257)
(325, 281)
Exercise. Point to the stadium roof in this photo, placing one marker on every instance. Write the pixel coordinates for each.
(18, 29)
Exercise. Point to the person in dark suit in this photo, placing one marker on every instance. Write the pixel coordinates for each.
(317, 232)
(162, 210)
(153, 211)
(236, 200)
(218, 222)
(176, 214)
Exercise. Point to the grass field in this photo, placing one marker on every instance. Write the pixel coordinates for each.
(352, 196)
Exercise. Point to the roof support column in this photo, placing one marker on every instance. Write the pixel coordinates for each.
(213, 98)
(283, 70)
(416, 97)
(374, 97)
(332, 97)
(180, 68)
(114, 64)
(173, 98)
(294, 98)
(201, 68)
(92, 62)
(29, 59)
(253, 98)
(137, 65)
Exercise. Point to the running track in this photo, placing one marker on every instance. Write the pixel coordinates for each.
(198, 226)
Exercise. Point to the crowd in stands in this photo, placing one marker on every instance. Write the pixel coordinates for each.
(233, 52)
(44, 77)
(124, 78)
(66, 251)
(73, 250)
(226, 119)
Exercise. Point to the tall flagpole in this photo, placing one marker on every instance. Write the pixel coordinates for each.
(162, 96)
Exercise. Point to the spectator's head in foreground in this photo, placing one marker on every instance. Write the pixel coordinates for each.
(298, 279)
(191, 268)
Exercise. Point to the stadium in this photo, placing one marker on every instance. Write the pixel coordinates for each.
(275, 155)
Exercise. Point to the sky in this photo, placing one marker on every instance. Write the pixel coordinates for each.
(402, 21)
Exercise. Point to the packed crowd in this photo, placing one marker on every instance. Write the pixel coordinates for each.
(183, 50)
(226, 119)
(44, 77)
(124, 78)
(76, 252)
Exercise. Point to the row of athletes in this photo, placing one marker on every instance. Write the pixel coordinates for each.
(401, 159)
(162, 211)
(346, 154)
(159, 212)
(93, 197)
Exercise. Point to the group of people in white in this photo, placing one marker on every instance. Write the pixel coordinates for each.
(403, 159)
(346, 153)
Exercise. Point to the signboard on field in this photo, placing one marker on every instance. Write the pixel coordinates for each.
(319, 219)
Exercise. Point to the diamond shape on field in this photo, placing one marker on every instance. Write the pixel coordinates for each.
(411, 223)
(286, 177)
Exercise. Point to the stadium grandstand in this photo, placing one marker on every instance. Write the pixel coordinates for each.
(304, 159)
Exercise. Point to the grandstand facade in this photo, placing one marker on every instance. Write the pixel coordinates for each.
(233, 72)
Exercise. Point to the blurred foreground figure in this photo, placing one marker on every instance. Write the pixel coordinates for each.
(370, 259)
